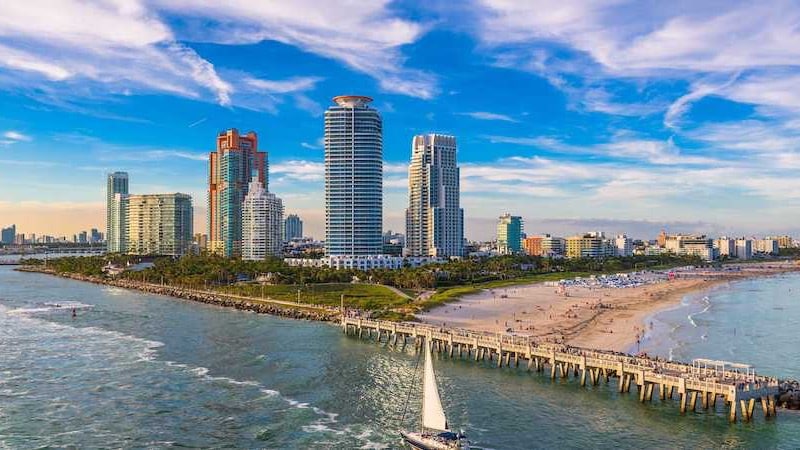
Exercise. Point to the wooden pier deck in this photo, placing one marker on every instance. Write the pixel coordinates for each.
(736, 384)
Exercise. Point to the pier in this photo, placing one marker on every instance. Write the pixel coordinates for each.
(708, 381)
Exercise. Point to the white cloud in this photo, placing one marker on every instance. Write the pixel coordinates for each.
(630, 37)
(291, 85)
(364, 36)
(16, 136)
(623, 146)
(119, 45)
(483, 115)
(627, 41)
(301, 170)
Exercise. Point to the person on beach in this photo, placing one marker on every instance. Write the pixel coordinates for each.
(74, 313)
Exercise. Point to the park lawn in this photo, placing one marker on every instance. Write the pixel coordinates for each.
(362, 296)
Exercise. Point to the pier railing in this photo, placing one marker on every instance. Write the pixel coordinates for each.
(689, 382)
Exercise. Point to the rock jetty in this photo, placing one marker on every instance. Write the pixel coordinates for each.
(317, 313)
(789, 396)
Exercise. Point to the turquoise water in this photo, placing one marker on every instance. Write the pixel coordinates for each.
(138, 370)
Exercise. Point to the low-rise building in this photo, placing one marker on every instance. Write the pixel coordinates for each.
(590, 245)
(766, 246)
(364, 262)
(624, 245)
(532, 245)
(725, 246)
(692, 245)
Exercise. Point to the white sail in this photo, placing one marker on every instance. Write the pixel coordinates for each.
(432, 411)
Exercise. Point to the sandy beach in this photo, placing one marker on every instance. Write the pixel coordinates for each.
(592, 317)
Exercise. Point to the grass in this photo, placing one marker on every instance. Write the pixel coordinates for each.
(362, 296)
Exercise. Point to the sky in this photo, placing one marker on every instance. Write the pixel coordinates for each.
(618, 115)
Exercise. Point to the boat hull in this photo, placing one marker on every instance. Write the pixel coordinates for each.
(425, 442)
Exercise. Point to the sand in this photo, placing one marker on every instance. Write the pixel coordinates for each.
(600, 318)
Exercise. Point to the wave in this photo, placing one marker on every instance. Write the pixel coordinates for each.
(146, 351)
(66, 307)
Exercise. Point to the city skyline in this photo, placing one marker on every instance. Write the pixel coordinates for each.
(603, 121)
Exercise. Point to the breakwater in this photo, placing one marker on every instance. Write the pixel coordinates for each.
(271, 307)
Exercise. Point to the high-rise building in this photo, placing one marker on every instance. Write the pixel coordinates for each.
(159, 224)
(434, 218)
(83, 237)
(744, 248)
(116, 190)
(230, 168)
(95, 236)
(262, 223)
(509, 234)
(353, 177)
(292, 228)
(7, 235)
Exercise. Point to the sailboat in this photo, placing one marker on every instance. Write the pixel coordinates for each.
(434, 433)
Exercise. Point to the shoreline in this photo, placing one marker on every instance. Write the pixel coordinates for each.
(600, 318)
(615, 325)
(271, 307)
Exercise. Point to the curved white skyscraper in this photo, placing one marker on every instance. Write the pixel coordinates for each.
(434, 218)
(353, 177)
(262, 223)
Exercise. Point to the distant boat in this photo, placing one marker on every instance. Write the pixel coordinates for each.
(434, 433)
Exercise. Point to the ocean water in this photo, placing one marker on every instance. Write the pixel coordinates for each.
(754, 321)
(135, 370)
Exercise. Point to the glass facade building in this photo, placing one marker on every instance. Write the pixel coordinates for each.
(509, 234)
(353, 177)
(293, 228)
(116, 190)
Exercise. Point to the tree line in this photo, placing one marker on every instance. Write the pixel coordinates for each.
(201, 271)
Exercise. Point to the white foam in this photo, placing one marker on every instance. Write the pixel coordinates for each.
(48, 307)
(199, 371)
(321, 428)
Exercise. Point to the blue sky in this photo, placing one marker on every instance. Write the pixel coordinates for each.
(615, 115)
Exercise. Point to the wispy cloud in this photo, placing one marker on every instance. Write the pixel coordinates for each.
(365, 36)
(483, 115)
(295, 84)
(12, 137)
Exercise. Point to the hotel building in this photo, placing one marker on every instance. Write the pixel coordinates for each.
(434, 218)
(353, 177)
